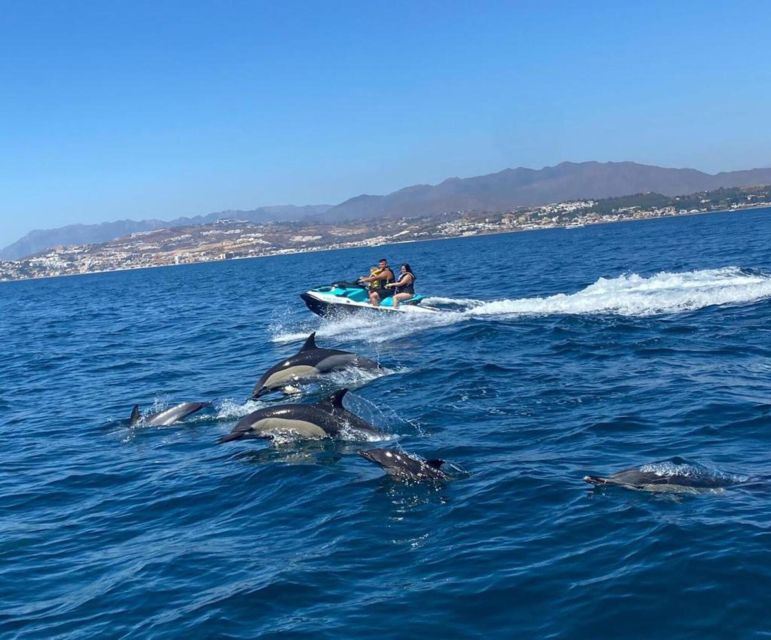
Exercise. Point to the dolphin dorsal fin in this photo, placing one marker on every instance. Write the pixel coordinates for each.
(436, 463)
(310, 342)
(336, 399)
(135, 415)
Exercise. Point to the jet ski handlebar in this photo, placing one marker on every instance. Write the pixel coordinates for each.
(344, 284)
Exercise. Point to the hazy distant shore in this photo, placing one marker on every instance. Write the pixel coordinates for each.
(86, 260)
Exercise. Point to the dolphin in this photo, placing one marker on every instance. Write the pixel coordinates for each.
(308, 363)
(167, 416)
(674, 475)
(403, 466)
(325, 419)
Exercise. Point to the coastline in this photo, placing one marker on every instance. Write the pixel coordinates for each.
(368, 242)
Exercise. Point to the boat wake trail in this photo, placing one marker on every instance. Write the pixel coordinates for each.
(627, 295)
(634, 295)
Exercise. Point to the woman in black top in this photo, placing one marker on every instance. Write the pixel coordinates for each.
(405, 285)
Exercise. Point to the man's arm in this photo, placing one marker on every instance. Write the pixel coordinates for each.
(381, 275)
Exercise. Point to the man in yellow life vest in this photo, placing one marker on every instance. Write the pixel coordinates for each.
(377, 281)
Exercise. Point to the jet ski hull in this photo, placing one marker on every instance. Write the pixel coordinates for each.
(330, 304)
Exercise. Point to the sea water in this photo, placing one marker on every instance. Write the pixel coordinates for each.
(556, 354)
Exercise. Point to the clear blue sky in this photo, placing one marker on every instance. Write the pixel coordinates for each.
(138, 109)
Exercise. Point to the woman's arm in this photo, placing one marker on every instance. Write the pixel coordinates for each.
(401, 281)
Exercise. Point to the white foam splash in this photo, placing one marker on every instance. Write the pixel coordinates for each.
(634, 295)
(372, 327)
(684, 469)
(329, 328)
(458, 304)
(350, 433)
(284, 438)
(353, 377)
(292, 390)
(627, 295)
(229, 409)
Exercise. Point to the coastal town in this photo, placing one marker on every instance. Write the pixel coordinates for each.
(228, 239)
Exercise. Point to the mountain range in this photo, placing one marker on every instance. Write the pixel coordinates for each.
(40, 240)
(529, 187)
(500, 191)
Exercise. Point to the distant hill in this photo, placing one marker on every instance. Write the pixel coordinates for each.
(495, 192)
(37, 241)
(529, 187)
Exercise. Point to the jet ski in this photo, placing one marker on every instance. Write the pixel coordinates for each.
(352, 297)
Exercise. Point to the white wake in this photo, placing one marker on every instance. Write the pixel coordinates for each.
(626, 295)
(634, 295)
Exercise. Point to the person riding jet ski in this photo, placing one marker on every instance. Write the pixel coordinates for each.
(381, 276)
(404, 288)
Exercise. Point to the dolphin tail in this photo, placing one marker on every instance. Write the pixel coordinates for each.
(135, 415)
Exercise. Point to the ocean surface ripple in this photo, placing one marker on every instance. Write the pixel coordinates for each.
(556, 354)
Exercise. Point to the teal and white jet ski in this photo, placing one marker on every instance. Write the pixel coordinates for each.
(352, 297)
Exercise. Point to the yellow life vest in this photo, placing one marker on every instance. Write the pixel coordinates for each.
(377, 284)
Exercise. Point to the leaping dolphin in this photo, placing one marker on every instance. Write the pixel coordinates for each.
(675, 475)
(167, 416)
(403, 466)
(324, 419)
(307, 364)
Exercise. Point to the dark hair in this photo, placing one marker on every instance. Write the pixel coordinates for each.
(383, 260)
(408, 268)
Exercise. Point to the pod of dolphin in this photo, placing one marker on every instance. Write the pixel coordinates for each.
(330, 419)
(325, 419)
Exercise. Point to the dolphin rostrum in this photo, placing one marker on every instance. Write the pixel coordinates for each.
(676, 474)
(403, 466)
(167, 416)
(324, 419)
(307, 364)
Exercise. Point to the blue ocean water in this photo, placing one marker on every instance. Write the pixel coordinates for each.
(565, 352)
